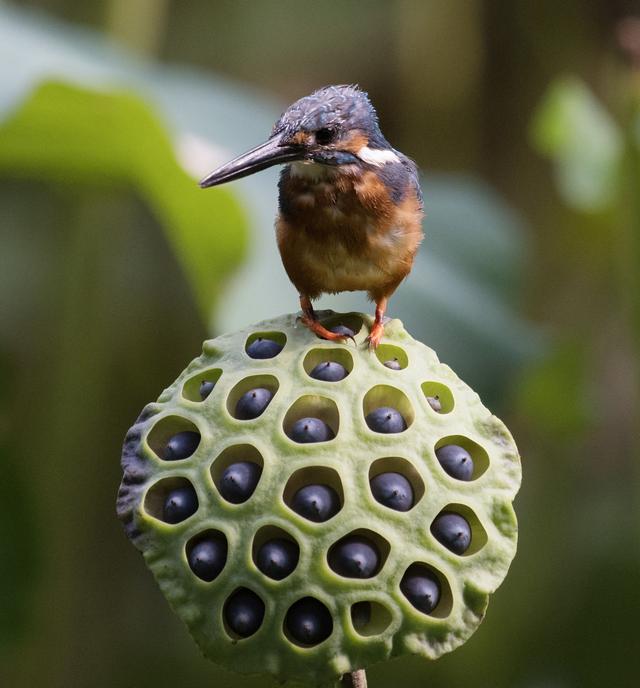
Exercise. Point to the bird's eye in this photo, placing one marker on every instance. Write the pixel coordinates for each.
(325, 136)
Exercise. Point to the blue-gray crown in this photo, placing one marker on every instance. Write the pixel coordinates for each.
(332, 107)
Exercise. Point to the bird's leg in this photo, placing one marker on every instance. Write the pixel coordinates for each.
(310, 320)
(378, 326)
(307, 308)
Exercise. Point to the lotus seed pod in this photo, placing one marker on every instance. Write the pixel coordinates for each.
(267, 586)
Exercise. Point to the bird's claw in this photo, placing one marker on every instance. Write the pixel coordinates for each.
(375, 336)
(321, 331)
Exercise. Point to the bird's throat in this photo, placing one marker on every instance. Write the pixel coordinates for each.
(310, 170)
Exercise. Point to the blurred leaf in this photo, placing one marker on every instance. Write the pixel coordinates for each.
(573, 129)
(70, 135)
(209, 119)
(469, 225)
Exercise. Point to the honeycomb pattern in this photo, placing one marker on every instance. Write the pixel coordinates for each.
(206, 551)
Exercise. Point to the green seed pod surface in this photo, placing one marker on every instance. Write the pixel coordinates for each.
(438, 408)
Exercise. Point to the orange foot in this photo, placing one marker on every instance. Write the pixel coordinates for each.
(322, 331)
(375, 335)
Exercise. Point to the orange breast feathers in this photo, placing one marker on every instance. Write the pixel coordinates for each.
(341, 231)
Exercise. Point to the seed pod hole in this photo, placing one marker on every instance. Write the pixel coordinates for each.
(439, 397)
(479, 537)
(316, 505)
(344, 322)
(183, 432)
(171, 500)
(360, 554)
(427, 590)
(387, 410)
(207, 554)
(316, 359)
(448, 460)
(311, 419)
(308, 622)
(275, 553)
(243, 613)
(200, 386)
(369, 618)
(236, 471)
(452, 531)
(265, 345)
(392, 357)
(403, 467)
(243, 389)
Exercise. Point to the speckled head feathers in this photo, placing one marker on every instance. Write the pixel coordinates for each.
(331, 107)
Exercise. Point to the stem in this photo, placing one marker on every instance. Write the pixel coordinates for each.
(354, 679)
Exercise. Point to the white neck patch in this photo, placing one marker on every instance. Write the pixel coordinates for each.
(377, 156)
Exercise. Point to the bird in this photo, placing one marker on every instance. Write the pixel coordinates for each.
(350, 206)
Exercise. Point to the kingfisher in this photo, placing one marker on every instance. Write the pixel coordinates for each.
(350, 205)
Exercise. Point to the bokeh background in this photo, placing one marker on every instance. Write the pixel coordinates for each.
(525, 119)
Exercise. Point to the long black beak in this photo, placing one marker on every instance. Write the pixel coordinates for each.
(272, 152)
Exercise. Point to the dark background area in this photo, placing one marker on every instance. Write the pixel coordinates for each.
(101, 309)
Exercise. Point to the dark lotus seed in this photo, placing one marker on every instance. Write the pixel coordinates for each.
(208, 557)
(435, 403)
(308, 621)
(354, 557)
(244, 612)
(360, 615)
(392, 490)
(453, 531)
(421, 588)
(181, 445)
(456, 461)
(386, 419)
(278, 558)
(253, 403)
(307, 430)
(343, 330)
(263, 348)
(179, 504)
(317, 503)
(239, 480)
(206, 387)
(393, 363)
(329, 371)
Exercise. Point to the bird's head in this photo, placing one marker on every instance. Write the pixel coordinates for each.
(333, 126)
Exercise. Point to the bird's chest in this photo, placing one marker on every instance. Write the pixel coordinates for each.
(336, 231)
(341, 211)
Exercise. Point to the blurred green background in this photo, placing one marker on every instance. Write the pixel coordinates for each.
(525, 119)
